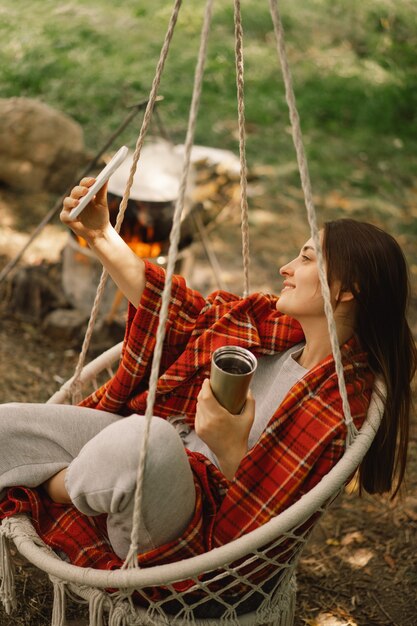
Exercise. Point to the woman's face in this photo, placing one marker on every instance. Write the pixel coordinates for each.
(301, 294)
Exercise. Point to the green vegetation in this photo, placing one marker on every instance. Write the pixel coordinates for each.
(354, 67)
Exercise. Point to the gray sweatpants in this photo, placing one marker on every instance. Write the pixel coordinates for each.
(101, 452)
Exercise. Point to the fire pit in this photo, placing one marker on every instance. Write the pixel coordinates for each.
(145, 228)
(213, 185)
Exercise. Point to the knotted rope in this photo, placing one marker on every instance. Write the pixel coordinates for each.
(7, 584)
(240, 83)
(311, 213)
(131, 559)
(75, 389)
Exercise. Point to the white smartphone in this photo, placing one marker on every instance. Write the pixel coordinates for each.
(101, 179)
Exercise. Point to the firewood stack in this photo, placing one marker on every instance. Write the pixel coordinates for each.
(216, 190)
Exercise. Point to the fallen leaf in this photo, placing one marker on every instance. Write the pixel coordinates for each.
(390, 561)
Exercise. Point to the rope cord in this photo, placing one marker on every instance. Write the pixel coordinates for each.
(75, 387)
(279, 602)
(131, 559)
(311, 214)
(242, 143)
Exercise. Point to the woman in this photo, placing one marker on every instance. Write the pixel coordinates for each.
(234, 474)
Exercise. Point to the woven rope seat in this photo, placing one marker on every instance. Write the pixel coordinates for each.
(251, 580)
(248, 581)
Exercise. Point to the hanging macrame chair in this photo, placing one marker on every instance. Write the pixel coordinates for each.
(251, 580)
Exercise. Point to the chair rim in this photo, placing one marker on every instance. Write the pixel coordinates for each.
(103, 361)
(25, 538)
(296, 514)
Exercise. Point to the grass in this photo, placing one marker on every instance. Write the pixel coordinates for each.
(353, 63)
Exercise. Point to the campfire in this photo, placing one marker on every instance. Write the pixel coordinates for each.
(60, 295)
(145, 227)
(213, 184)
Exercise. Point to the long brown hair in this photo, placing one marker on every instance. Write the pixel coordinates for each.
(370, 264)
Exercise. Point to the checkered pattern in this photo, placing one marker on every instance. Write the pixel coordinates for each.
(303, 440)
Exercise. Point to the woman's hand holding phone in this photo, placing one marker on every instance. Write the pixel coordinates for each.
(101, 179)
(85, 210)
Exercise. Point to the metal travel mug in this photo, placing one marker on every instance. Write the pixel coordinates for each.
(232, 369)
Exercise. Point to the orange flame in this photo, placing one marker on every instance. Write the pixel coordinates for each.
(143, 250)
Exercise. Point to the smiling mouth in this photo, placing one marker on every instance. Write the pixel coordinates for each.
(287, 288)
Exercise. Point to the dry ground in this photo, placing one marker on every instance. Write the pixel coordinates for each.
(360, 568)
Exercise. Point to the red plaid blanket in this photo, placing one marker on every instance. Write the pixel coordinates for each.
(84, 539)
(303, 440)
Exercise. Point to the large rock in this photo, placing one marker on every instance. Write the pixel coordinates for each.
(40, 147)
